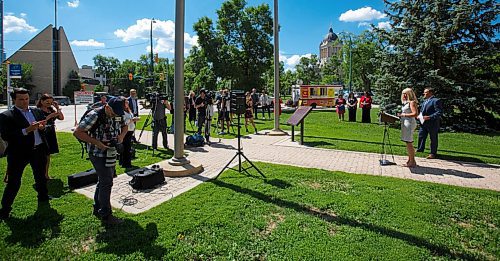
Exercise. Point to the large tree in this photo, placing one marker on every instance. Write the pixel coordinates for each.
(239, 48)
(362, 48)
(308, 70)
(106, 66)
(449, 45)
(198, 73)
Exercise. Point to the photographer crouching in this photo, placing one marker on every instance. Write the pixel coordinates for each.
(159, 124)
(103, 130)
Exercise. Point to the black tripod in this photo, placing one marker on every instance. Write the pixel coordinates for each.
(239, 154)
(383, 154)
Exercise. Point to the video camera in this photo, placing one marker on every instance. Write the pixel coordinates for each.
(156, 96)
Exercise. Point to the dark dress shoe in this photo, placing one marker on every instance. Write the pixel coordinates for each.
(111, 220)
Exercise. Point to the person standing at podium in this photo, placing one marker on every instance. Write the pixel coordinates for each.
(408, 116)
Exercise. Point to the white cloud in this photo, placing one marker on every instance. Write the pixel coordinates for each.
(74, 4)
(361, 14)
(291, 61)
(384, 25)
(17, 25)
(23, 15)
(163, 33)
(89, 42)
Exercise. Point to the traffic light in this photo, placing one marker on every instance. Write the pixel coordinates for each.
(130, 76)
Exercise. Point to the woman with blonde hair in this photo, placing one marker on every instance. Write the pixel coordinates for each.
(408, 116)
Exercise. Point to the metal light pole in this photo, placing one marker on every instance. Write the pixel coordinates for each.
(350, 64)
(1, 29)
(179, 84)
(276, 130)
(152, 68)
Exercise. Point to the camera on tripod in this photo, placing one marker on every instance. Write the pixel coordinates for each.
(156, 96)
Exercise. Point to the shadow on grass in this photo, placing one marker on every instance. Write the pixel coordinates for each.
(325, 143)
(420, 170)
(130, 237)
(56, 188)
(435, 249)
(35, 229)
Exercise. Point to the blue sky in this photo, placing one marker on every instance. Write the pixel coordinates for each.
(121, 28)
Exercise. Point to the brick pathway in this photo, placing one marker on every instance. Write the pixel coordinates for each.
(280, 150)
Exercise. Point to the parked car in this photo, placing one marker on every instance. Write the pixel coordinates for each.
(62, 100)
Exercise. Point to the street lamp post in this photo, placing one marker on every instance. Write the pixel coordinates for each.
(276, 131)
(151, 69)
(350, 64)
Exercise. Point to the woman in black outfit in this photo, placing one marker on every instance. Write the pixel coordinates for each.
(51, 114)
(352, 103)
(191, 107)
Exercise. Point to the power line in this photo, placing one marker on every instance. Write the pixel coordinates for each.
(90, 50)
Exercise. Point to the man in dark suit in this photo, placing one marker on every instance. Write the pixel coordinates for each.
(132, 101)
(23, 128)
(430, 112)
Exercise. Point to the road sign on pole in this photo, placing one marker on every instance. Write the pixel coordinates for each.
(15, 71)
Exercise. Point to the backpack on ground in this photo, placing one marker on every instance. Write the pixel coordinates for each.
(101, 119)
(195, 140)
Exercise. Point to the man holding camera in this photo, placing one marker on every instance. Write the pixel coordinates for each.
(159, 120)
(103, 130)
(201, 105)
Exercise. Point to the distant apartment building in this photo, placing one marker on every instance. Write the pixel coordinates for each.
(329, 47)
(50, 54)
(90, 78)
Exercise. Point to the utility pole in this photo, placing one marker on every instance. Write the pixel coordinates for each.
(1, 38)
(350, 64)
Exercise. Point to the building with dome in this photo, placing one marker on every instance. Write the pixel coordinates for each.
(329, 47)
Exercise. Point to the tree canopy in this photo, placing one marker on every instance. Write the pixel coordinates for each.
(239, 47)
(449, 45)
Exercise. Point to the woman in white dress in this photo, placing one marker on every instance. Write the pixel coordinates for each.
(408, 116)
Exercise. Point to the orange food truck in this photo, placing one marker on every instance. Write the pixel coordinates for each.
(318, 95)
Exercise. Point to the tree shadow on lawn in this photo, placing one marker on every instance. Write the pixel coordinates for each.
(35, 229)
(129, 237)
(438, 250)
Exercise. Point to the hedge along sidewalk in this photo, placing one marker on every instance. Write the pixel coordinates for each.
(281, 150)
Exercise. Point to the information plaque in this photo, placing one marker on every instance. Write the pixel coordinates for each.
(298, 118)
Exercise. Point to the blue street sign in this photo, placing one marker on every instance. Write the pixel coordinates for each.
(15, 71)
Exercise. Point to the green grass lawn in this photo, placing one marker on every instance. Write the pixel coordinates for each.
(296, 214)
(323, 130)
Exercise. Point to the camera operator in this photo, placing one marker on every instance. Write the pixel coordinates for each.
(104, 137)
(204, 105)
(201, 104)
(159, 123)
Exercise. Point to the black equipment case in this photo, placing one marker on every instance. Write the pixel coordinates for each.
(146, 178)
(82, 179)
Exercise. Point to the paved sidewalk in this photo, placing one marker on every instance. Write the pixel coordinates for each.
(281, 150)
